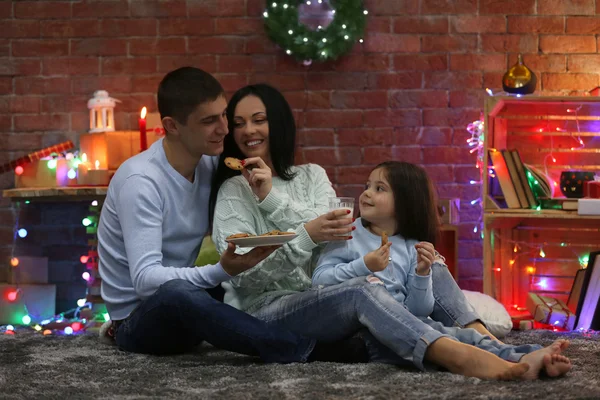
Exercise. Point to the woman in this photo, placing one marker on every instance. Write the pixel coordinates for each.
(272, 193)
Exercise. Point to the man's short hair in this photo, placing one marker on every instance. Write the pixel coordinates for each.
(181, 91)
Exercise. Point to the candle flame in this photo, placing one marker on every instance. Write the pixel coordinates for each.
(143, 113)
(84, 157)
(97, 163)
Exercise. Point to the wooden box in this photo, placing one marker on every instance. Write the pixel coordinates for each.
(30, 270)
(111, 149)
(36, 174)
(530, 249)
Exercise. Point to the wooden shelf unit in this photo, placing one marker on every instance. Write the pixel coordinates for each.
(542, 129)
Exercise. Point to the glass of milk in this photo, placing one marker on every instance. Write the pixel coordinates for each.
(342, 203)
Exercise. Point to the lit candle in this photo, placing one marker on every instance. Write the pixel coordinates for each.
(82, 170)
(142, 124)
(97, 176)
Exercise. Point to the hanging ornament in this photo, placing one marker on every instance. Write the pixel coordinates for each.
(519, 79)
(315, 30)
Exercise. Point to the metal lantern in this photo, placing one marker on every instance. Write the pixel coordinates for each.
(102, 118)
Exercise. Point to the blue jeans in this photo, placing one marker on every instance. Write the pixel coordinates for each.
(179, 316)
(394, 334)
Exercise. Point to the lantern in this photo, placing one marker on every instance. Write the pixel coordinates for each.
(102, 118)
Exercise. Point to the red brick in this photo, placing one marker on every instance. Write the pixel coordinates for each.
(236, 26)
(492, 79)
(112, 84)
(232, 82)
(128, 65)
(186, 27)
(477, 62)
(19, 66)
(129, 27)
(566, 7)
(583, 63)
(4, 48)
(377, 155)
(362, 62)
(399, 80)
(418, 98)
(457, 117)
(71, 66)
(360, 100)
(350, 190)
(281, 81)
(158, 8)
(296, 99)
(245, 63)
(527, 24)
(465, 174)
(551, 81)
(453, 80)
(98, 47)
(365, 136)
(447, 155)
(392, 43)
(437, 7)
(470, 268)
(20, 104)
(80, 122)
(261, 45)
(217, 8)
(423, 62)
(357, 175)
(333, 119)
(542, 62)
(6, 9)
(157, 46)
(421, 25)
(423, 136)
(386, 7)
(467, 99)
(583, 25)
(475, 285)
(334, 156)
(449, 43)
(40, 48)
(255, 8)
(440, 173)
(316, 137)
(101, 8)
(145, 83)
(43, 122)
(63, 103)
(379, 24)
(42, 9)
(29, 85)
(6, 85)
(20, 28)
(216, 45)
(386, 118)
(568, 44)
(132, 103)
(69, 29)
(470, 249)
(6, 124)
(509, 43)
(331, 80)
(478, 24)
(169, 63)
(502, 7)
(316, 99)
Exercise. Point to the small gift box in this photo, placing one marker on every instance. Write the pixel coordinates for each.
(550, 311)
(592, 189)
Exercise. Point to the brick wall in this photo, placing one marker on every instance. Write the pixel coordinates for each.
(407, 93)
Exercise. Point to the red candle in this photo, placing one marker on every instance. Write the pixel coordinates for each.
(142, 124)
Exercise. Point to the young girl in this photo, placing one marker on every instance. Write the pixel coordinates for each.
(399, 200)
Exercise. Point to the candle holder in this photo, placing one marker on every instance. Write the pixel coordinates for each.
(102, 118)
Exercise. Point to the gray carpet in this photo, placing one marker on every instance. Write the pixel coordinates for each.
(34, 366)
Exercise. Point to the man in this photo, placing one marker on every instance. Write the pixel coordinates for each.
(151, 227)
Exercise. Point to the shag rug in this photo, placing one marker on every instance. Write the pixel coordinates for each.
(33, 366)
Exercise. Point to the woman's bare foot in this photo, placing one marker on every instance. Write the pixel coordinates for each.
(479, 327)
(548, 360)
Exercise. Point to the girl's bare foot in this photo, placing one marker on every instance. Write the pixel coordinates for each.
(547, 360)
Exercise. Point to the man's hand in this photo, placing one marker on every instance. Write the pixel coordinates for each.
(378, 259)
(235, 264)
(425, 257)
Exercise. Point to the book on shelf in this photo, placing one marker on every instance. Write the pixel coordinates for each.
(588, 305)
(575, 292)
(542, 181)
(522, 176)
(515, 179)
(504, 179)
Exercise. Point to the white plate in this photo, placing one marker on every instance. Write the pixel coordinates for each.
(256, 241)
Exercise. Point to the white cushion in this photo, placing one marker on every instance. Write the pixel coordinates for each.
(492, 313)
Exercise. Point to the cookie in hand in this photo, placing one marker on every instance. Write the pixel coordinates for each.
(234, 163)
(384, 238)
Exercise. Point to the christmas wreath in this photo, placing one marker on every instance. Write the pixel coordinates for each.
(283, 26)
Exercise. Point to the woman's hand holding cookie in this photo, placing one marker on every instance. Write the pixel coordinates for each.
(259, 177)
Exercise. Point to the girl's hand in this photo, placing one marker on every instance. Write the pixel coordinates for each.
(259, 176)
(378, 259)
(335, 225)
(425, 257)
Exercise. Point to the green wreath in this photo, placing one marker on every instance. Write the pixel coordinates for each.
(284, 28)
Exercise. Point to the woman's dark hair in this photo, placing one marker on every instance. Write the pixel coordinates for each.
(282, 137)
(181, 91)
(415, 201)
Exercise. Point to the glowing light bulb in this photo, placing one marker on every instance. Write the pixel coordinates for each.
(344, 26)
(26, 320)
(37, 328)
(553, 159)
(19, 170)
(285, 6)
(52, 164)
(266, 14)
(543, 283)
(95, 203)
(308, 3)
(76, 326)
(84, 259)
(475, 229)
(10, 328)
(86, 221)
(9, 332)
(305, 40)
(288, 51)
(512, 262)
(323, 53)
(497, 269)
(106, 317)
(86, 276)
(14, 261)
(274, 4)
(290, 32)
(542, 254)
(489, 91)
(472, 182)
(71, 174)
(360, 40)
(515, 249)
(68, 330)
(324, 40)
(47, 332)
(81, 302)
(22, 232)
(530, 270)
(12, 295)
(365, 12)
(346, 37)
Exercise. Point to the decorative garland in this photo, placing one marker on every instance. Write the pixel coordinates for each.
(284, 28)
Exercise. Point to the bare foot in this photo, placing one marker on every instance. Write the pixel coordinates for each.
(547, 360)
